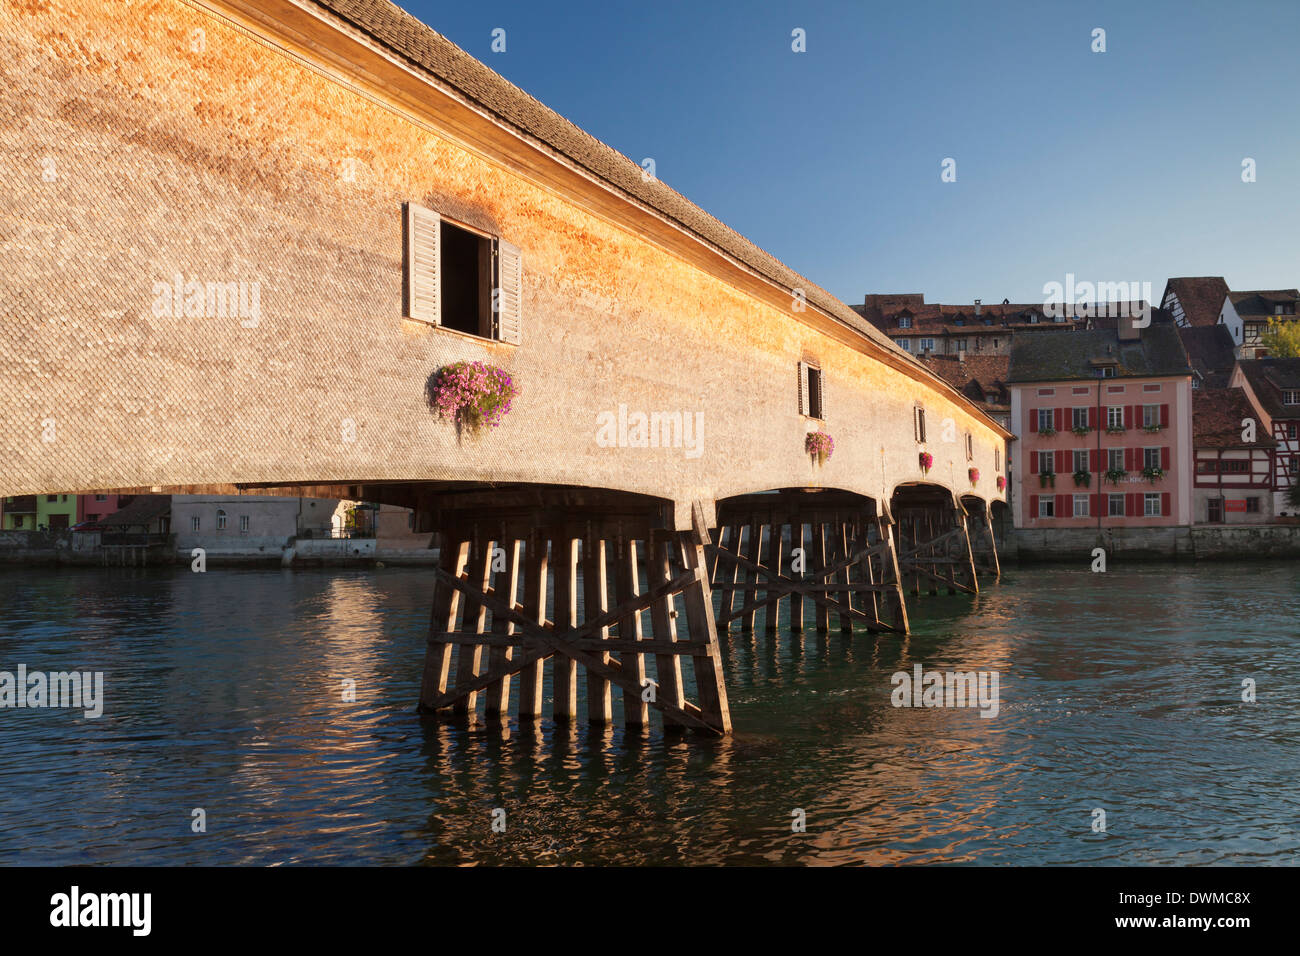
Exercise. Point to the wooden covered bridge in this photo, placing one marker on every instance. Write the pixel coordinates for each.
(244, 240)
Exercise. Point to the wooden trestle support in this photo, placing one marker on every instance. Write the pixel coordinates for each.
(533, 585)
(934, 547)
(824, 553)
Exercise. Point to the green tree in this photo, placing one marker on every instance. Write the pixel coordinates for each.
(1282, 339)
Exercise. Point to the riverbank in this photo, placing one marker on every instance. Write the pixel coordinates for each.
(1203, 543)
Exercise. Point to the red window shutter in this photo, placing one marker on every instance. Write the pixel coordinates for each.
(1128, 416)
(1063, 509)
(1059, 415)
(1092, 417)
(1062, 461)
(1095, 506)
(1033, 462)
(1094, 459)
(1164, 458)
(1164, 504)
(1033, 419)
(1128, 459)
(1164, 416)
(1130, 505)
(1033, 506)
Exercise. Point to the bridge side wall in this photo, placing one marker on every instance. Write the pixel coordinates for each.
(137, 148)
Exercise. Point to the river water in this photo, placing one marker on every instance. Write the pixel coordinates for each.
(1119, 692)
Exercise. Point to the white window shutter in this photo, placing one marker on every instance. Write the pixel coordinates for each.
(423, 282)
(803, 388)
(509, 292)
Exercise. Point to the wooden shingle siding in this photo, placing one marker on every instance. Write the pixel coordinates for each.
(423, 282)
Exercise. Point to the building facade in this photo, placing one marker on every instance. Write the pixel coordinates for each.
(1104, 420)
(1247, 315)
(1233, 460)
(1273, 386)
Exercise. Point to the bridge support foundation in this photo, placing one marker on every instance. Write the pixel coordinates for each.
(935, 548)
(793, 554)
(572, 580)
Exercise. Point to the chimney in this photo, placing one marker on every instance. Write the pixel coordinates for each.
(977, 306)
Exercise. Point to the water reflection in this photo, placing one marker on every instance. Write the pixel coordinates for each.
(224, 691)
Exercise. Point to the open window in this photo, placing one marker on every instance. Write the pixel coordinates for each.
(461, 279)
(811, 399)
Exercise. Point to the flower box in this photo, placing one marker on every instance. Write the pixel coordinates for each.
(1046, 479)
(974, 475)
(927, 461)
(1153, 474)
(1082, 479)
(1116, 475)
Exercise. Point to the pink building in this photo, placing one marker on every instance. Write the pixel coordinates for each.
(98, 507)
(1103, 419)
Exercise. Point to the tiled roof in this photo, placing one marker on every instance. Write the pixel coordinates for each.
(1210, 352)
(959, 320)
(1261, 302)
(1217, 414)
(140, 512)
(1268, 377)
(1063, 355)
(981, 378)
(1201, 297)
(408, 38)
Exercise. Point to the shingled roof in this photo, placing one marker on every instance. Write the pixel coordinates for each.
(1201, 298)
(981, 378)
(436, 56)
(1261, 302)
(1210, 352)
(1071, 354)
(1268, 377)
(1217, 414)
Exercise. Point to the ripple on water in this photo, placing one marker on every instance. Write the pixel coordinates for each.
(225, 692)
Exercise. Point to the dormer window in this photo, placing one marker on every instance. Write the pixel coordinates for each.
(904, 321)
(959, 321)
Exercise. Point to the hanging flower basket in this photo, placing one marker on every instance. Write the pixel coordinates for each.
(1082, 479)
(474, 395)
(927, 461)
(1116, 475)
(1153, 474)
(974, 475)
(820, 445)
(1002, 483)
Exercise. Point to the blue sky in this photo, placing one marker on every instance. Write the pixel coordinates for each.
(1116, 166)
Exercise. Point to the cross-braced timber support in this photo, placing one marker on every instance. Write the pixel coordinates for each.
(570, 578)
(825, 553)
(983, 542)
(934, 543)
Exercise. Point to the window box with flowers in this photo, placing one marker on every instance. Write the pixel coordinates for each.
(1152, 429)
(1153, 474)
(1002, 483)
(1047, 479)
(1047, 432)
(1081, 430)
(974, 475)
(474, 395)
(1082, 479)
(1116, 475)
(927, 461)
(1115, 429)
(819, 445)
